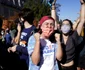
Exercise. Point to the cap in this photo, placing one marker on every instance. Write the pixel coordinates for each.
(44, 18)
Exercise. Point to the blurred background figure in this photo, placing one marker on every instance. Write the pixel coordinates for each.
(8, 37)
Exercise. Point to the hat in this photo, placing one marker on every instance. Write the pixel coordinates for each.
(44, 18)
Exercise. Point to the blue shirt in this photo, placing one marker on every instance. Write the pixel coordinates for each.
(47, 55)
(22, 47)
(8, 38)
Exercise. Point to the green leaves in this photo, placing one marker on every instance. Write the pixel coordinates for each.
(40, 9)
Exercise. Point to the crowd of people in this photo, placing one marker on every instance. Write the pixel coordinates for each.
(47, 46)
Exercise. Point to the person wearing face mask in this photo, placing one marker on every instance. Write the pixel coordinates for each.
(43, 52)
(70, 39)
(66, 28)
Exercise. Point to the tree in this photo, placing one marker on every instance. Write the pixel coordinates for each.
(40, 9)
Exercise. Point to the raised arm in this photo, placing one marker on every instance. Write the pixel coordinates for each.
(75, 24)
(17, 38)
(53, 13)
(82, 17)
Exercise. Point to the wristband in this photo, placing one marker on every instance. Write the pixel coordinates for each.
(53, 7)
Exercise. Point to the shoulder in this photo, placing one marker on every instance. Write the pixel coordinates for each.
(31, 38)
(33, 26)
(74, 34)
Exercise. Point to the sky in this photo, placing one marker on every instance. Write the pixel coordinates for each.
(69, 9)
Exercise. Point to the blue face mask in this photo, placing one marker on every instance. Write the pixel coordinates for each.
(65, 28)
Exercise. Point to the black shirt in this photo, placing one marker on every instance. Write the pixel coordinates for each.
(69, 47)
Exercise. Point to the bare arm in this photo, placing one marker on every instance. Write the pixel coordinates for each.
(36, 53)
(75, 24)
(17, 38)
(53, 13)
(59, 53)
(82, 17)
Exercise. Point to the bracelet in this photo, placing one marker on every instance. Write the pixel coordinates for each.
(53, 8)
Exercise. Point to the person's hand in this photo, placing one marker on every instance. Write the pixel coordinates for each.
(12, 49)
(37, 36)
(16, 40)
(82, 1)
(53, 3)
(19, 27)
(9, 49)
(57, 37)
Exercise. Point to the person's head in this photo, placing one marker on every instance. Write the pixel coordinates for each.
(28, 15)
(47, 25)
(66, 26)
(1, 23)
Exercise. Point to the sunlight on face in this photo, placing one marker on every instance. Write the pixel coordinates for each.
(47, 27)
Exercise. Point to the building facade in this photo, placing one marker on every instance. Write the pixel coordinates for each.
(9, 7)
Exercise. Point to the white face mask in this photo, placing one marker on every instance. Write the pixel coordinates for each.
(65, 28)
